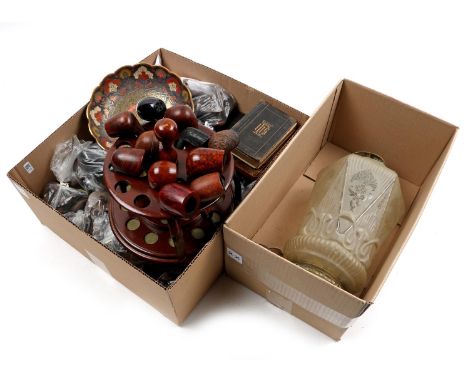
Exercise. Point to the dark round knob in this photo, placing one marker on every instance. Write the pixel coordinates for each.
(151, 108)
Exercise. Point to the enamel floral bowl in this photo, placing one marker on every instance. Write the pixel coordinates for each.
(120, 91)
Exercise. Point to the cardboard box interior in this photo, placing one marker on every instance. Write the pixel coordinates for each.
(353, 118)
(180, 298)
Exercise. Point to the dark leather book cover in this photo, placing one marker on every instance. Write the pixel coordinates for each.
(261, 132)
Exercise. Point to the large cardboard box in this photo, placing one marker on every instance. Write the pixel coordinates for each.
(32, 173)
(352, 118)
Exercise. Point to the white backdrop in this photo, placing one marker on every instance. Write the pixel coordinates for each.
(62, 318)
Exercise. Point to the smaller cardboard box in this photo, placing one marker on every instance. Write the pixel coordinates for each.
(32, 173)
(352, 118)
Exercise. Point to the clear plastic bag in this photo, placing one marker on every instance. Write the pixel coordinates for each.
(168, 278)
(102, 232)
(96, 206)
(96, 211)
(88, 167)
(246, 186)
(64, 198)
(80, 218)
(213, 104)
(81, 163)
(64, 158)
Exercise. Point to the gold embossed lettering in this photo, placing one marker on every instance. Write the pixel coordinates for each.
(262, 128)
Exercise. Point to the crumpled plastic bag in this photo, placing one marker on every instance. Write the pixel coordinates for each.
(213, 104)
(96, 206)
(96, 210)
(64, 158)
(88, 167)
(80, 163)
(64, 198)
(102, 232)
(80, 219)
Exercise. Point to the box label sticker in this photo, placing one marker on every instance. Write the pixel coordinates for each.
(234, 255)
(28, 167)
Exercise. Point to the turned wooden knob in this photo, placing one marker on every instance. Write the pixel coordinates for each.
(167, 132)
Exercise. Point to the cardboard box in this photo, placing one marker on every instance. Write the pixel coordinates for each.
(32, 173)
(352, 118)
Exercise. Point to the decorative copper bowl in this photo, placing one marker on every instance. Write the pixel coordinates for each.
(142, 224)
(120, 91)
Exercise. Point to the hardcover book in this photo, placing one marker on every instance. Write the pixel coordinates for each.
(262, 131)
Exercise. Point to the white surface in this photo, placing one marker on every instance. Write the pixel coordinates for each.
(63, 318)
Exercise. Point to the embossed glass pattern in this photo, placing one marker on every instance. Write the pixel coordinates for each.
(355, 204)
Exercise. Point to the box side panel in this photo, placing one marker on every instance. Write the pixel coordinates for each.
(252, 261)
(409, 140)
(286, 219)
(408, 224)
(120, 269)
(194, 283)
(305, 296)
(289, 166)
(246, 96)
(288, 306)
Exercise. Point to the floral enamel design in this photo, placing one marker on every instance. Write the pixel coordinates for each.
(96, 115)
(111, 85)
(160, 74)
(172, 85)
(142, 73)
